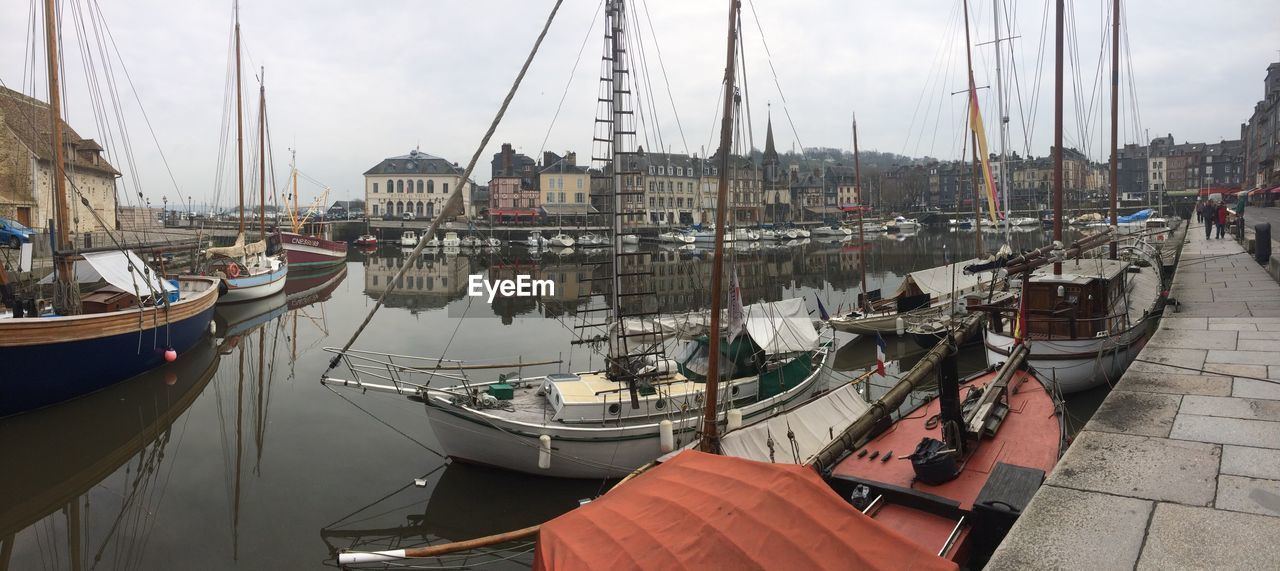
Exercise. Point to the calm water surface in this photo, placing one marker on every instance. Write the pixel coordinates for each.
(236, 456)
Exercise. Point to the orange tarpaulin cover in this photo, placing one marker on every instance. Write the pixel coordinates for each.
(702, 511)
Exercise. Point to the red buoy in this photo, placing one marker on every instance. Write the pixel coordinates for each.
(170, 355)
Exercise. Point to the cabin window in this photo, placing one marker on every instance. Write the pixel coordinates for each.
(614, 409)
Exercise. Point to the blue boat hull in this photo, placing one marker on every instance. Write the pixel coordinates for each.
(35, 376)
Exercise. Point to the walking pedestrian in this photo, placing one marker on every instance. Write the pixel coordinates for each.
(1199, 211)
(1208, 225)
(1222, 219)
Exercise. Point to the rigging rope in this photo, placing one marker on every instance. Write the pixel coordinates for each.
(453, 205)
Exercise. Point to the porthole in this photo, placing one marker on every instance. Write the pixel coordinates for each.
(661, 404)
(614, 408)
(734, 390)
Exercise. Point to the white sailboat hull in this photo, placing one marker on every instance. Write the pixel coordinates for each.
(587, 451)
(1074, 365)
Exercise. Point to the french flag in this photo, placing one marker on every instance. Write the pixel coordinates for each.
(880, 347)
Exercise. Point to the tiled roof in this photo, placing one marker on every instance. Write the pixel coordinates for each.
(28, 119)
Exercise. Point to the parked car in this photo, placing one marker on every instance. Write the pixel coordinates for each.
(408, 216)
(13, 234)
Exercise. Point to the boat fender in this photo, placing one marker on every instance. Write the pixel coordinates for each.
(544, 452)
(233, 270)
(734, 418)
(170, 355)
(666, 436)
(900, 325)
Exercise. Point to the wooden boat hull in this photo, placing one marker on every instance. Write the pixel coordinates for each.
(1074, 365)
(478, 437)
(48, 360)
(310, 251)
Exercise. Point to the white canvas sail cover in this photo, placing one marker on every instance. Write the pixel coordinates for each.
(813, 425)
(123, 270)
(781, 326)
(939, 282)
(238, 249)
(777, 327)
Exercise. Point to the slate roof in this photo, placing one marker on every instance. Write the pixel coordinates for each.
(28, 119)
(416, 162)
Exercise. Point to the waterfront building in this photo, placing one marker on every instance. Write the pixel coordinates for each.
(26, 180)
(416, 182)
(671, 187)
(1261, 136)
(565, 187)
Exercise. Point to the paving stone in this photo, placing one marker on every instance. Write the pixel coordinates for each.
(1249, 461)
(1192, 358)
(1235, 370)
(1260, 336)
(1252, 344)
(1201, 323)
(1217, 308)
(1183, 339)
(1233, 327)
(1253, 495)
(1184, 537)
(1222, 430)
(1175, 383)
(1139, 466)
(1253, 388)
(1062, 529)
(1242, 357)
(1146, 414)
(1232, 407)
(1268, 327)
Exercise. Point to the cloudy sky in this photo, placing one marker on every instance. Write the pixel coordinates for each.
(349, 83)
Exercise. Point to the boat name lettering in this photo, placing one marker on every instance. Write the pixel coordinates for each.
(521, 286)
(304, 241)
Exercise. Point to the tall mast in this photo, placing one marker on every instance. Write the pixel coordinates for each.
(618, 129)
(1004, 159)
(1057, 132)
(977, 192)
(293, 168)
(66, 295)
(262, 156)
(862, 239)
(710, 440)
(239, 125)
(1115, 105)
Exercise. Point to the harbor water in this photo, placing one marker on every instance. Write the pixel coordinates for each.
(236, 456)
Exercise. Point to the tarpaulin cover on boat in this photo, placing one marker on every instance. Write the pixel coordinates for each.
(238, 249)
(702, 511)
(777, 327)
(120, 269)
(942, 280)
(812, 425)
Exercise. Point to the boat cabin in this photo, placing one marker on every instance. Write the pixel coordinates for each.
(1085, 301)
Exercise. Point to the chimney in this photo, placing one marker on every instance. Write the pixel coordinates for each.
(549, 158)
(571, 158)
(508, 156)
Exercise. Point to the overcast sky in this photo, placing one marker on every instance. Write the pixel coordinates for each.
(350, 83)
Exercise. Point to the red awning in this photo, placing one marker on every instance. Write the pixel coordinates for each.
(516, 212)
(855, 208)
(702, 511)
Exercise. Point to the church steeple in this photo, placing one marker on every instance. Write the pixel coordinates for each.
(770, 159)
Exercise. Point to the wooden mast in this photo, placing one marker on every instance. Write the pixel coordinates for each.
(862, 238)
(1115, 104)
(239, 125)
(66, 294)
(1057, 132)
(262, 155)
(1003, 127)
(977, 192)
(710, 440)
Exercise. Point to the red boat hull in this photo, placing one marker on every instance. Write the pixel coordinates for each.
(310, 251)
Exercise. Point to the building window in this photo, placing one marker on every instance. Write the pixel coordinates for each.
(650, 186)
(561, 198)
(579, 198)
(399, 186)
(431, 187)
(419, 186)
(399, 208)
(375, 188)
(662, 171)
(419, 210)
(650, 169)
(445, 185)
(579, 183)
(375, 210)
(550, 197)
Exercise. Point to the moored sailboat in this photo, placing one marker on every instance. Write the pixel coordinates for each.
(134, 323)
(310, 249)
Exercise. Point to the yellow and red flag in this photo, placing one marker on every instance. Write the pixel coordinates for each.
(988, 181)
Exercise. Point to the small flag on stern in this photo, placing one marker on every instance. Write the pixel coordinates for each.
(880, 355)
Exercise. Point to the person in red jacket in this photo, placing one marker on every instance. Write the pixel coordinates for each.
(1222, 219)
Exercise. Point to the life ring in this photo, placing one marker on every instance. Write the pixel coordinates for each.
(233, 270)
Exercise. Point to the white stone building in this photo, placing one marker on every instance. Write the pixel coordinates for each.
(417, 183)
